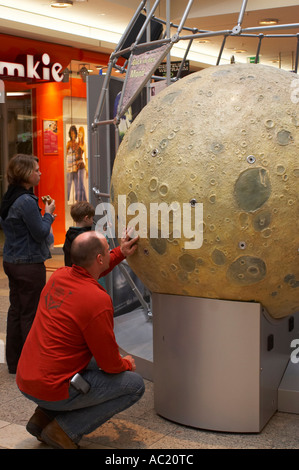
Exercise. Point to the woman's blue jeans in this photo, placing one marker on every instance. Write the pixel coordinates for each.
(109, 394)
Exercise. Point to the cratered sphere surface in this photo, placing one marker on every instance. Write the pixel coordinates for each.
(226, 137)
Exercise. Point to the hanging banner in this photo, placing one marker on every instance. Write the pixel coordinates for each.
(140, 69)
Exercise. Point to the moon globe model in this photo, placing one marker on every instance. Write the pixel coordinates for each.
(226, 137)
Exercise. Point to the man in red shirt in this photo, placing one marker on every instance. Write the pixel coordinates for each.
(70, 364)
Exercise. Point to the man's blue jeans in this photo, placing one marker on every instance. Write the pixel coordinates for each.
(109, 394)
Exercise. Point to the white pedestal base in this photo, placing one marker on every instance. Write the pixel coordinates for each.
(218, 364)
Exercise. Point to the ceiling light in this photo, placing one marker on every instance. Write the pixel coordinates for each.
(18, 93)
(61, 3)
(268, 21)
(66, 75)
(83, 72)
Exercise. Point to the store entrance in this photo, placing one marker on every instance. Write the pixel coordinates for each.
(15, 130)
(15, 133)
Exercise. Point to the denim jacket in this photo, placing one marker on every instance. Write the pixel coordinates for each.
(27, 232)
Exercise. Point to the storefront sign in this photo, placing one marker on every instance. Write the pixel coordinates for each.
(30, 67)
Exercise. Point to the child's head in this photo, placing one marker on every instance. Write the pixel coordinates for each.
(82, 213)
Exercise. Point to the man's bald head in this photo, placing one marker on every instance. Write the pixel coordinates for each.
(86, 247)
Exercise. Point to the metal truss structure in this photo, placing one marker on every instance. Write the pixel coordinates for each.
(165, 44)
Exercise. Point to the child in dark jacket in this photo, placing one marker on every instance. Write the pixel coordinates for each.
(82, 213)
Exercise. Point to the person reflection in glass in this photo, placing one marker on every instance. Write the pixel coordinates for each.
(82, 165)
(73, 154)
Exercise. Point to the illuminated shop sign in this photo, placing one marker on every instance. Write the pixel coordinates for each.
(31, 67)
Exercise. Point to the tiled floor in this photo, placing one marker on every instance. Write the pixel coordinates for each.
(139, 427)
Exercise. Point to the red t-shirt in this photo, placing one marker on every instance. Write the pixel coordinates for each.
(73, 322)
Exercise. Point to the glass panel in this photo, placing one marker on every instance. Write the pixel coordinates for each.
(19, 123)
(75, 153)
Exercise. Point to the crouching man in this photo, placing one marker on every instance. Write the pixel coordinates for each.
(70, 365)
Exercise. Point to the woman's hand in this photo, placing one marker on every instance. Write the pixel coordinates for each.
(50, 208)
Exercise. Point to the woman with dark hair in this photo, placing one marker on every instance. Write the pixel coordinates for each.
(28, 236)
